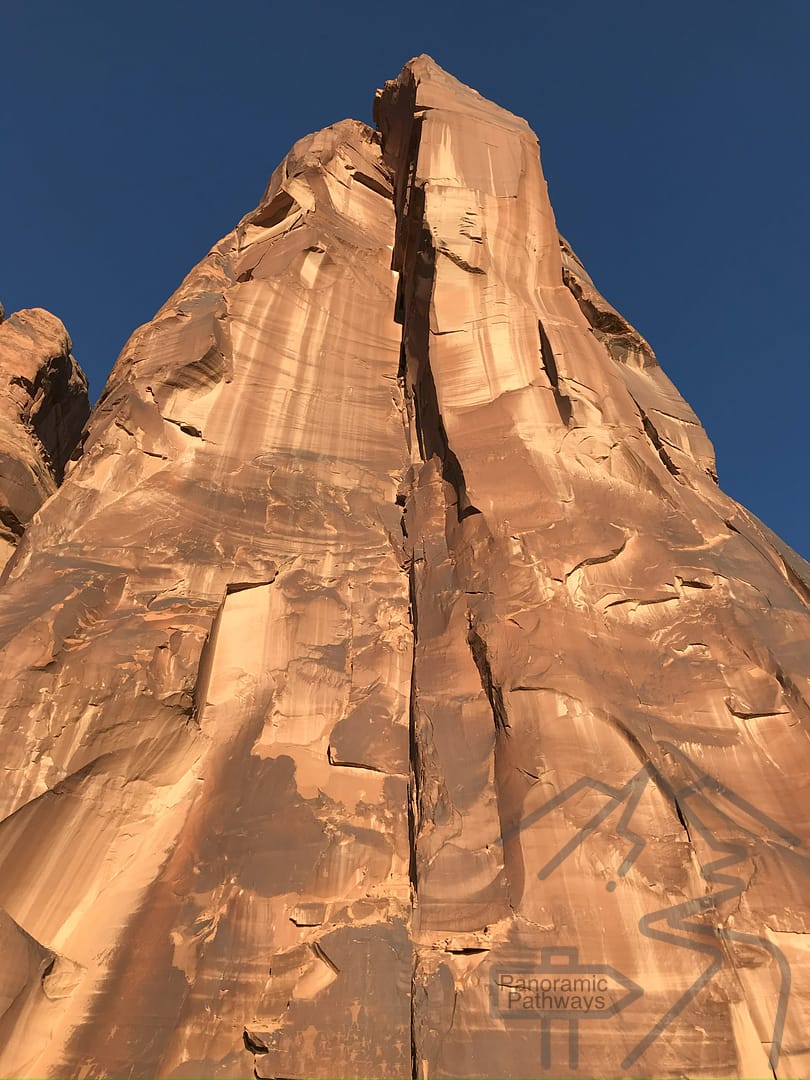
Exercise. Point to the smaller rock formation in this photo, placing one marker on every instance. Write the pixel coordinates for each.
(43, 408)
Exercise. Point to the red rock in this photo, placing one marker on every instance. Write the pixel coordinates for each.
(391, 659)
(43, 408)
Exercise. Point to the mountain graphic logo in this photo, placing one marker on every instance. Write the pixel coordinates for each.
(678, 925)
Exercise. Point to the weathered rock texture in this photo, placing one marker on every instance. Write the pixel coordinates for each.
(43, 408)
(391, 643)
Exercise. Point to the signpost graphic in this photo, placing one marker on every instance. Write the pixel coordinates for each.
(701, 801)
(559, 990)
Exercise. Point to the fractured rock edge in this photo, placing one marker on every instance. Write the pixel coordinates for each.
(43, 409)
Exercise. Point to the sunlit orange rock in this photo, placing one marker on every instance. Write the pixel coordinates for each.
(43, 407)
(390, 690)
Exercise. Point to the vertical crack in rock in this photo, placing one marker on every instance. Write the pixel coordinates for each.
(414, 1048)
(413, 780)
(652, 434)
(415, 259)
(561, 400)
(421, 387)
(205, 666)
(415, 263)
(490, 687)
(414, 418)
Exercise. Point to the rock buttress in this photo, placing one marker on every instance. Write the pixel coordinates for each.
(391, 648)
(43, 408)
(609, 708)
(206, 653)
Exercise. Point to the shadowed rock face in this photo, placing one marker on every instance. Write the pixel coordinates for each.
(43, 408)
(390, 690)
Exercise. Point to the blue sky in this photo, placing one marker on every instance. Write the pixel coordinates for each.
(673, 135)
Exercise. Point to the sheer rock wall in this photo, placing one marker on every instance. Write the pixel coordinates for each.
(390, 641)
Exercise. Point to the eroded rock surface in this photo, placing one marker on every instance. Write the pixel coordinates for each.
(43, 408)
(391, 658)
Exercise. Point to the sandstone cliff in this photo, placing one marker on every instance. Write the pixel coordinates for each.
(391, 659)
(43, 408)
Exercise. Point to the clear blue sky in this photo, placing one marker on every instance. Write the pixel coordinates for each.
(674, 138)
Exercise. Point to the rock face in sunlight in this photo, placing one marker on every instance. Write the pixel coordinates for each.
(390, 690)
(43, 408)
